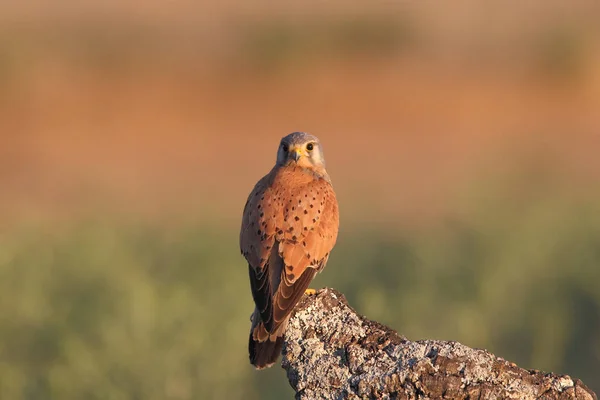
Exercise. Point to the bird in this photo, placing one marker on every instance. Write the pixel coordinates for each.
(289, 227)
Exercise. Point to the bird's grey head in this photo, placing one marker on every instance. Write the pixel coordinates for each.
(301, 149)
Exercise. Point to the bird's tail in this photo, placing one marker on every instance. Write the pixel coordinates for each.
(264, 354)
(264, 348)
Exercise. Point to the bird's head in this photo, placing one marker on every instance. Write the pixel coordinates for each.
(300, 149)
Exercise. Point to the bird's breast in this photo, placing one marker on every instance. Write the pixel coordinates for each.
(294, 176)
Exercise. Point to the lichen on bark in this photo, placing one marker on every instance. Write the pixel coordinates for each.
(331, 352)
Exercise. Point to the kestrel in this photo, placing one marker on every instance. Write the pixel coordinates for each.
(289, 226)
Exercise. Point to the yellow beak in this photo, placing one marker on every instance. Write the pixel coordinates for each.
(296, 153)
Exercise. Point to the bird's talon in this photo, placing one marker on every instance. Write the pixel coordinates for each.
(310, 292)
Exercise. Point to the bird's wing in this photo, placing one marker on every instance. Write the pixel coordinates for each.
(306, 236)
(257, 239)
(257, 234)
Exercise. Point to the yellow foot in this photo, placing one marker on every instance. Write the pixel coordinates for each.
(310, 292)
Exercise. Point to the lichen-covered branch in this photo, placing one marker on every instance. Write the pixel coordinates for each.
(331, 352)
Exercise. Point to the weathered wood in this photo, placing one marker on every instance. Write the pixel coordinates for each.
(331, 352)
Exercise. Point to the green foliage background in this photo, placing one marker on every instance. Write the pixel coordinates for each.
(113, 308)
(108, 309)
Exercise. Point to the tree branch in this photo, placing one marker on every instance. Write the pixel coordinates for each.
(331, 352)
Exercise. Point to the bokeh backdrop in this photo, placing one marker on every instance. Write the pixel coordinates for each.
(463, 140)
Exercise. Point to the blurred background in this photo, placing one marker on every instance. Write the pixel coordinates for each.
(462, 140)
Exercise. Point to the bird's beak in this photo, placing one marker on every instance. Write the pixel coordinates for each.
(296, 153)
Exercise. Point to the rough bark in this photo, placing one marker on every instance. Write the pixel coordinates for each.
(331, 352)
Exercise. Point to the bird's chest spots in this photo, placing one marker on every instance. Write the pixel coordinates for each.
(292, 205)
(300, 202)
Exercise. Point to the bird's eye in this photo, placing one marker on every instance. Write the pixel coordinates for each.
(285, 148)
(309, 146)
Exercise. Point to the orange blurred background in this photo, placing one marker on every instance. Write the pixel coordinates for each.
(147, 108)
(167, 113)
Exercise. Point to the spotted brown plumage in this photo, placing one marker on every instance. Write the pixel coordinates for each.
(289, 227)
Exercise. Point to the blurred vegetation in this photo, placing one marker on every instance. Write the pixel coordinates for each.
(561, 51)
(114, 310)
(274, 42)
(278, 42)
